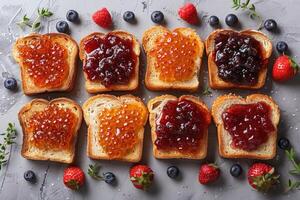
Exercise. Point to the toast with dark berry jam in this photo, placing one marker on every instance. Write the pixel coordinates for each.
(50, 129)
(110, 61)
(247, 127)
(179, 127)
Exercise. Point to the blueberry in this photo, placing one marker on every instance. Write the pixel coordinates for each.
(282, 47)
(157, 16)
(10, 83)
(72, 16)
(172, 171)
(109, 177)
(129, 16)
(30, 176)
(284, 143)
(270, 24)
(62, 27)
(231, 19)
(236, 170)
(213, 20)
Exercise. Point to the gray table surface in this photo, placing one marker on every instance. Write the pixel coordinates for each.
(49, 184)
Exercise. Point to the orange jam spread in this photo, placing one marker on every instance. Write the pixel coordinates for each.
(45, 61)
(119, 129)
(52, 128)
(175, 55)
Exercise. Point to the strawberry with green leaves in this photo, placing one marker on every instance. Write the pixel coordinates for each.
(208, 173)
(262, 177)
(141, 176)
(284, 68)
(73, 177)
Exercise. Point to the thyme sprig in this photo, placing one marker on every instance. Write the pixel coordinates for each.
(206, 91)
(293, 185)
(93, 171)
(9, 136)
(291, 154)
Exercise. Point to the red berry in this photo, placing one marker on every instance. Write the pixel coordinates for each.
(102, 18)
(208, 173)
(73, 177)
(262, 176)
(141, 176)
(188, 12)
(284, 68)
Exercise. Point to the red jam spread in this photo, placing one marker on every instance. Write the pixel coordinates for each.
(45, 61)
(180, 126)
(118, 129)
(175, 55)
(248, 124)
(110, 60)
(238, 58)
(52, 128)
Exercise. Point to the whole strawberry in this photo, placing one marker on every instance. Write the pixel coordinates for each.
(188, 12)
(73, 177)
(141, 176)
(208, 173)
(102, 18)
(262, 176)
(284, 68)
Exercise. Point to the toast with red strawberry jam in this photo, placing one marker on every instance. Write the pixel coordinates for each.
(110, 61)
(247, 127)
(50, 129)
(48, 62)
(179, 127)
(237, 59)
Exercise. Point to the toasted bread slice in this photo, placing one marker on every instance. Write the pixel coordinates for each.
(65, 41)
(63, 154)
(94, 107)
(155, 107)
(152, 79)
(95, 87)
(217, 83)
(265, 151)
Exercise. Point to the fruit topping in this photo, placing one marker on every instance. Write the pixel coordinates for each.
(214, 21)
(231, 20)
(72, 16)
(157, 17)
(45, 61)
(262, 177)
(173, 172)
(118, 128)
(236, 170)
(208, 173)
(284, 68)
(109, 178)
(73, 177)
(180, 126)
(30, 176)
(188, 12)
(10, 83)
(52, 128)
(175, 55)
(248, 124)
(238, 58)
(110, 60)
(129, 16)
(282, 47)
(270, 25)
(284, 143)
(103, 18)
(62, 27)
(141, 176)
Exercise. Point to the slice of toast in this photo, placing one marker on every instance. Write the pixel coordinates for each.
(265, 151)
(96, 106)
(66, 42)
(95, 87)
(63, 154)
(215, 81)
(155, 107)
(152, 79)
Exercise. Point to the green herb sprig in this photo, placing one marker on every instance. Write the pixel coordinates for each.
(206, 91)
(291, 154)
(293, 185)
(93, 171)
(9, 135)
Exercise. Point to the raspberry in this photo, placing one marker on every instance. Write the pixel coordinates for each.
(189, 13)
(102, 18)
